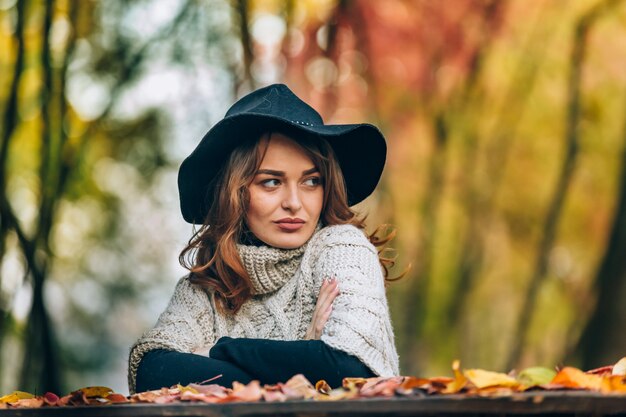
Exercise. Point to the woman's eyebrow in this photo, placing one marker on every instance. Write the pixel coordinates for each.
(271, 172)
(282, 173)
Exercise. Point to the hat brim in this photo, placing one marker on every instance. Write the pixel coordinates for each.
(360, 149)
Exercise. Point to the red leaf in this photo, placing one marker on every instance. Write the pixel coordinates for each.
(51, 398)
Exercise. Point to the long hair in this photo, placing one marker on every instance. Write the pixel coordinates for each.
(211, 255)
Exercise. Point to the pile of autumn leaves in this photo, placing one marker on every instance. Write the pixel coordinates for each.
(470, 382)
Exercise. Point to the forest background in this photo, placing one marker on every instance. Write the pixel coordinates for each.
(505, 179)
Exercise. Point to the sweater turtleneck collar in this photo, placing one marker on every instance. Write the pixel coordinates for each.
(269, 268)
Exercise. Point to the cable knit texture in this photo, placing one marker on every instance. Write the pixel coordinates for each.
(285, 287)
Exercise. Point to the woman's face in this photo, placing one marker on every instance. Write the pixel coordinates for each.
(286, 195)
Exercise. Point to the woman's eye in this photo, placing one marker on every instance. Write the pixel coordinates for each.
(271, 183)
(313, 181)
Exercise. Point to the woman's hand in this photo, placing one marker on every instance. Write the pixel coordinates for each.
(323, 308)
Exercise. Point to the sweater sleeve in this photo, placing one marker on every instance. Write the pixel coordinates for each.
(184, 326)
(360, 323)
(273, 361)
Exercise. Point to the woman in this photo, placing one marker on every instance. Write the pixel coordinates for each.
(282, 278)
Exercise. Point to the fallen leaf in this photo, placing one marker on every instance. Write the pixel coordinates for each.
(181, 389)
(96, 392)
(274, 393)
(322, 387)
(620, 367)
(51, 398)
(35, 402)
(16, 396)
(153, 396)
(353, 383)
(411, 383)
(483, 379)
(63, 401)
(614, 384)
(602, 371)
(495, 391)
(298, 383)
(534, 376)
(250, 392)
(575, 378)
(459, 382)
(385, 387)
(337, 394)
(115, 398)
(195, 396)
(212, 389)
(166, 399)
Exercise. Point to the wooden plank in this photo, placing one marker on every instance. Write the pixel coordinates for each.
(531, 404)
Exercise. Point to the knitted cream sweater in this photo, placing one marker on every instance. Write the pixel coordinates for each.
(285, 286)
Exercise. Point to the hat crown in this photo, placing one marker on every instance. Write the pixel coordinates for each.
(277, 101)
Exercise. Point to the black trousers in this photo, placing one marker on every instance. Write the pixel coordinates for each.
(243, 360)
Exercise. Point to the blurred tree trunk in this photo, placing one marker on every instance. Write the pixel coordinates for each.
(10, 120)
(555, 207)
(603, 338)
(466, 101)
(58, 159)
(242, 8)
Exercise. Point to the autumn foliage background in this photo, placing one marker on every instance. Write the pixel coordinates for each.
(505, 179)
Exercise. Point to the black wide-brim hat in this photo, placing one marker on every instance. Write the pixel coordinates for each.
(360, 148)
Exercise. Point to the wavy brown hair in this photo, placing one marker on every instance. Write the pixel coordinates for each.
(211, 255)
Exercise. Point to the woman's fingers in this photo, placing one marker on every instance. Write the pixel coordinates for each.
(324, 305)
(327, 294)
(329, 290)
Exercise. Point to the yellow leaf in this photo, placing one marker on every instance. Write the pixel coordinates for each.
(620, 367)
(483, 379)
(187, 388)
(16, 396)
(96, 392)
(459, 381)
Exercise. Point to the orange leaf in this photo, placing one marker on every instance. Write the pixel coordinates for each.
(410, 383)
(575, 378)
(322, 387)
(614, 383)
(353, 384)
(117, 398)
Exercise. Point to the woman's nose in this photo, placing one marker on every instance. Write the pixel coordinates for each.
(291, 200)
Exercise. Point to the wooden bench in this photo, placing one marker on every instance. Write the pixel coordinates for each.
(569, 403)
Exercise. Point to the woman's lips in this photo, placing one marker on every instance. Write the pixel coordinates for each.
(289, 225)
